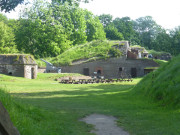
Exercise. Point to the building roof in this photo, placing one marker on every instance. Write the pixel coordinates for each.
(16, 59)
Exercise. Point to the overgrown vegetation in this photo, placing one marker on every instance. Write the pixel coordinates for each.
(163, 85)
(95, 49)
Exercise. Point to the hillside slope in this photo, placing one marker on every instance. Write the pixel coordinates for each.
(92, 50)
(163, 85)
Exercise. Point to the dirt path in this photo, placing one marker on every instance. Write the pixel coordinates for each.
(104, 125)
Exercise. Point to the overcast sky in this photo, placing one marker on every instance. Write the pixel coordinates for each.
(165, 12)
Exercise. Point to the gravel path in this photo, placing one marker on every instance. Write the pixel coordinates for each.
(104, 125)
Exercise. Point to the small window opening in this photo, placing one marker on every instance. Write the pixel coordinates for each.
(120, 69)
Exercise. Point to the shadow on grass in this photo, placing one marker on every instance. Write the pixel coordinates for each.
(77, 92)
(72, 102)
(74, 98)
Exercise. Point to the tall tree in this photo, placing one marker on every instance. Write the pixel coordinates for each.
(125, 26)
(73, 21)
(40, 34)
(148, 30)
(175, 35)
(105, 19)
(112, 33)
(94, 28)
(163, 42)
(7, 44)
(8, 5)
(78, 35)
(3, 18)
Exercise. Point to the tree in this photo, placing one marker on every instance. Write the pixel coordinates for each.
(78, 35)
(40, 34)
(125, 26)
(71, 2)
(105, 19)
(3, 18)
(94, 28)
(148, 30)
(7, 44)
(163, 42)
(8, 5)
(175, 35)
(112, 33)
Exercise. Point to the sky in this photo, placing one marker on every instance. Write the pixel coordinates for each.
(165, 12)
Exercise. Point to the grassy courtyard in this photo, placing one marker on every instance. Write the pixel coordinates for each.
(45, 107)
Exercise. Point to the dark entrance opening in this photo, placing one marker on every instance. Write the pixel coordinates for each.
(133, 72)
(86, 71)
(3, 130)
(120, 69)
(10, 73)
(32, 73)
(98, 72)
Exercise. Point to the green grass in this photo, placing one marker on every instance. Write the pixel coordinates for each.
(61, 106)
(163, 85)
(160, 62)
(91, 50)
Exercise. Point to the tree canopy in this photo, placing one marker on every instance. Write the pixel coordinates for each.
(48, 29)
(8, 5)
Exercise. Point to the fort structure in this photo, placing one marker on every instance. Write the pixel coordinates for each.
(132, 63)
(18, 65)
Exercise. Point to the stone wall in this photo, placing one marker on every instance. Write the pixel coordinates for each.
(30, 71)
(27, 71)
(18, 65)
(14, 70)
(41, 70)
(111, 67)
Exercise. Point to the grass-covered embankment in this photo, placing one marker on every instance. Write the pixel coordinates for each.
(163, 85)
(99, 49)
(24, 117)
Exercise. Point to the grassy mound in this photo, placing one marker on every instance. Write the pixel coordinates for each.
(92, 50)
(163, 85)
